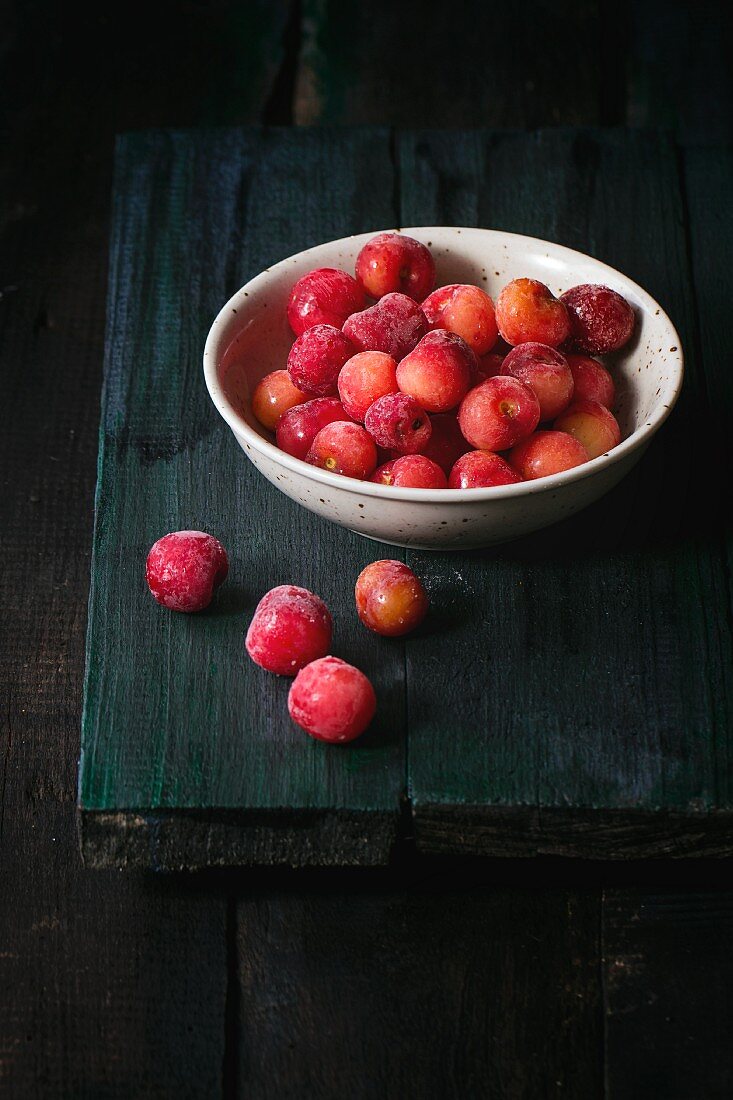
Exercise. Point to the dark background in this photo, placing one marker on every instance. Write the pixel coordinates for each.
(445, 978)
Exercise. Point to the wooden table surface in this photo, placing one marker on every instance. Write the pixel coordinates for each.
(435, 976)
(571, 693)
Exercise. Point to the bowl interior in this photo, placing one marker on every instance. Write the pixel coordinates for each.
(252, 336)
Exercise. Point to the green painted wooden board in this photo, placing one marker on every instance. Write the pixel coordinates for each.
(572, 692)
(188, 754)
(594, 715)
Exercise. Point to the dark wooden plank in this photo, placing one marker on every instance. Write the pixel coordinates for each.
(708, 175)
(181, 722)
(127, 68)
(488, 65)
(111, 985)
(667, 978)
(428, 982)
(679, 73)
(590, 665)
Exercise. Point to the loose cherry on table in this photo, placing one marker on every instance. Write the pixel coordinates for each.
(332, 700)
(390, 598)
(290, 628)
(183, 569)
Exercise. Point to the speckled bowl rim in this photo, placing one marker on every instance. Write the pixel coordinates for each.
(638, 439)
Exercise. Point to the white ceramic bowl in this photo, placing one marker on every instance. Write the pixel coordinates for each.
(251, 337)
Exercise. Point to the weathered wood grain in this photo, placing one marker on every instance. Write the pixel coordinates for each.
(643, 64)
(488, 65)
(677, 69)
(667, 978)
(667, 962)
(587, 668)
(94, 997)
(181, 720)
(111, 985)
(429, 983)
(570, 714)
(708, 175)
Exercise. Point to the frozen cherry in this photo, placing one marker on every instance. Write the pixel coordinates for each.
(316, 359)
(393, 262)
(489, 366)
(383, 474)
(365, 377)
(390, 598)
(498, 413)
(447, 442)
(600, 319)
(273, 396)
(393, 325)
(466, 310)
(481, 470)
(331, 700)
(397, 422)
(344, 448)
(528, 310)
(547, 374)
(299, 426)
(593, 382)
(325, 296)
(438, 372)
(411, 472)
(546, 453)
(290, 628)
(184, 568)
(592, 424)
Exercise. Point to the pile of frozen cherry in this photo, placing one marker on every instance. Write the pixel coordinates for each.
(291, 631)
(435, 389)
